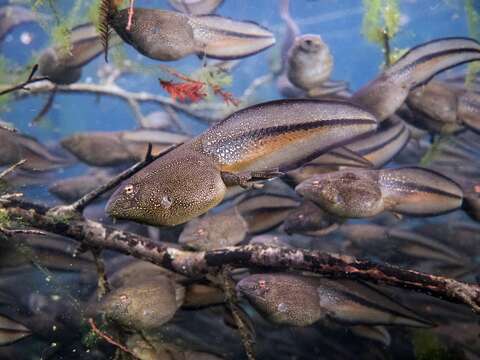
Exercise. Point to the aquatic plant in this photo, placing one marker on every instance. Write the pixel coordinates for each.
(381, 22)
(202, 84)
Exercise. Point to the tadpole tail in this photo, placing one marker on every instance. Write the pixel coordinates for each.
(385, 94)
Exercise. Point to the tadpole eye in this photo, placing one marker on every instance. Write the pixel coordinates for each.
(129, 189)
(308, 42)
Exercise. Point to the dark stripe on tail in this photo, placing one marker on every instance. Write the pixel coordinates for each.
(422, 188)
(285, 129)
(382, 144)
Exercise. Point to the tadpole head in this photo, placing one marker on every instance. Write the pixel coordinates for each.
(172, 190)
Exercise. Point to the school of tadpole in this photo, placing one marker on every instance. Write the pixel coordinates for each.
(213, 221)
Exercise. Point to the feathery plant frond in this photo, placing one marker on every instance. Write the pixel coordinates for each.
(106, 10)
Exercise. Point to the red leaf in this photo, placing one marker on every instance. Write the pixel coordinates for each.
(192, 90)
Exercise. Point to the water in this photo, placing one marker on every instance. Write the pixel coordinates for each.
(53, 294)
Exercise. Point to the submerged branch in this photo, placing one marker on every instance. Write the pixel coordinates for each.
(91, 233)
(23, 86)
(12, 168)
(205, 112)
(248, 341)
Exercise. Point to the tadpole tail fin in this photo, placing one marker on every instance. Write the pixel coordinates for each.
(385, 94)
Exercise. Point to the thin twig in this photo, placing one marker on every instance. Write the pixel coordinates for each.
(254, 85)
(12, 168)
(176, 120)
(108, 339)
(88, 198)
(134, 105)
(103, 285)
(22, 86)
(231, 299)
(46, 108)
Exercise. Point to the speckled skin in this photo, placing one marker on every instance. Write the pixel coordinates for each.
(281, 134)
(385, 94)
(157, 34)
(297, 300)
(364, 193)
(66, 68)
(144, 306)
(181, 185)
(283, 299)
(352, 194)
(309, 62)
(165, 35)
(187, 181)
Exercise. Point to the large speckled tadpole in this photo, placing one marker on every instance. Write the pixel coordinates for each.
(187, 181)
(165, 35)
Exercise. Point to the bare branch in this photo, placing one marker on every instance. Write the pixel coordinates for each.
(91, 233)
(135, 106)
(11, 168)
(207, 112)
(254, 85)
(9, 233)
(177, 121)
(46, 108)
(23, 85)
